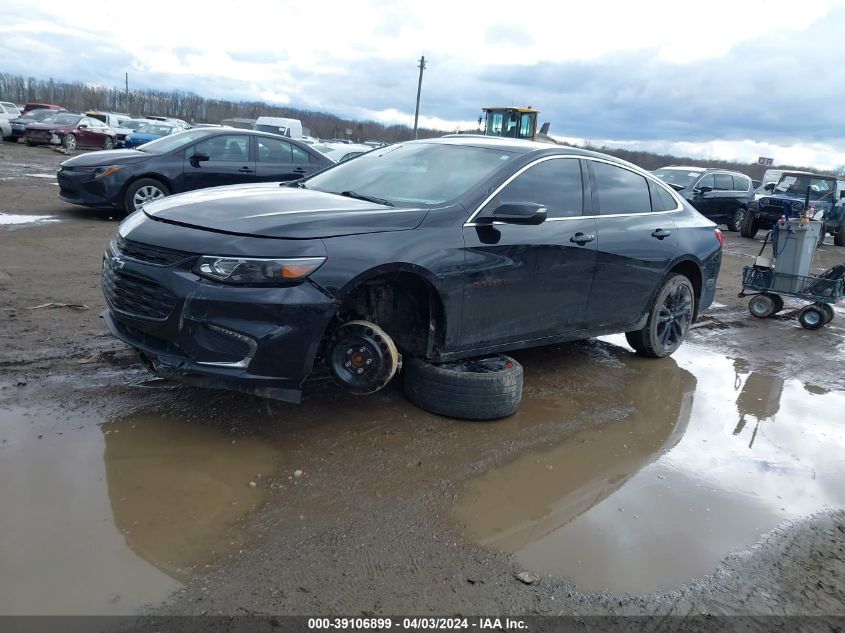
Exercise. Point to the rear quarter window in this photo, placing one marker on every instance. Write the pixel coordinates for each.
(741, 183)
(724, 182)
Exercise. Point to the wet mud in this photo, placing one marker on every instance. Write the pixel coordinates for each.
(712, 457)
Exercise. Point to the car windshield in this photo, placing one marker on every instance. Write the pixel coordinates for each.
(795, 185)
(133, 125)
(413, 173)
(680, 177)
(172, 141)
(40, 115)
(159, 130)
(65, 119)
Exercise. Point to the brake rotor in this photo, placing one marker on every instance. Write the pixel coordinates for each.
(362, 357)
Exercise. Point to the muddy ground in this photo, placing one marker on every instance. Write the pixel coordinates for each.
(706, 483)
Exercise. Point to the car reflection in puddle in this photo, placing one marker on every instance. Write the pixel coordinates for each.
(106, 518)
(712, 457)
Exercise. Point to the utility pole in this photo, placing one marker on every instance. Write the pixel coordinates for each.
(126, 105)
(419, 88)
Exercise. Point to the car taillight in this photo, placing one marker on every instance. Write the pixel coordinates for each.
(720, 237)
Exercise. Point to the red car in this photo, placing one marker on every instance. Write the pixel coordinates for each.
(42, 106)
(71, 131)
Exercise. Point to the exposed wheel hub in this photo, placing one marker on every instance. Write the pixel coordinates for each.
(362, 357)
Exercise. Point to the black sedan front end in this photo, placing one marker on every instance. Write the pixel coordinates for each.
(233, 333)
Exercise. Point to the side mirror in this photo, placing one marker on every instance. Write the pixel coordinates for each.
(770, 186)
(529, 213)
(83, 126)
(198, 158)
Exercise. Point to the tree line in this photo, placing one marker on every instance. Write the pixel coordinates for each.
(79, 97)
(180, 104)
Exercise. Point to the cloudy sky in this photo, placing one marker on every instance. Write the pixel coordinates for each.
(730, 79)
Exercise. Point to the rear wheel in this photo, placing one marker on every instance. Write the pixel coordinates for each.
(141, 192)
(750, 226)
(669, 320)
(812, 317)
(482, 388)
(737, 221)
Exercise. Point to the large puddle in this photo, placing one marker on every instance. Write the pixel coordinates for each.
(710, 457)
(102, 519)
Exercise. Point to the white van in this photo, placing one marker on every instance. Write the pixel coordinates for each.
(279, 125)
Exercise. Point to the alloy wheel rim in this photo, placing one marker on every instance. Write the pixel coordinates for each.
(71, 142)
(145, 194)
(674, 317)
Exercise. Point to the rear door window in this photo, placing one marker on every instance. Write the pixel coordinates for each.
(620, 190)
(271, 150)
(741, 183)
(724, 182)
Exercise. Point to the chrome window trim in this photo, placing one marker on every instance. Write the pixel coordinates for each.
(636, 170)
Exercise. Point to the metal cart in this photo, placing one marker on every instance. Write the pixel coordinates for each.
(769, 286)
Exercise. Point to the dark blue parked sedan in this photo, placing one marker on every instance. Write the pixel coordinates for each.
(207, 157)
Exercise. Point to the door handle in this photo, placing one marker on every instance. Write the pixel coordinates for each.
(582, 238)
(660, 233)
(246, 170)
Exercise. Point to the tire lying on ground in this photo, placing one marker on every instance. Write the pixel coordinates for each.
(484, 388)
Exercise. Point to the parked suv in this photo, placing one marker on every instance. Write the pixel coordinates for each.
(723, 196)
(428, 256)
(789, 196)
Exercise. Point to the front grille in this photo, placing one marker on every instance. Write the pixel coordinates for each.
(137, 297)
(149, 254)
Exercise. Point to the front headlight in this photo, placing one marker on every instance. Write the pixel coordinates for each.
(248, 270)
(102, 172)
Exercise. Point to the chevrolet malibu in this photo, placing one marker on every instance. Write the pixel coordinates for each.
(428, 258)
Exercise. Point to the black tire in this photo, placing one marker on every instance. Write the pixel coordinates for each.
(69, 142)
(778, 304)
(750, 227)
(812, 317)
(828, 312)
(31, 144)
(839, 236)
(764, 305)
(135, 190)
(737, 220)
(108, 143)
(668, 320)
(464, 389)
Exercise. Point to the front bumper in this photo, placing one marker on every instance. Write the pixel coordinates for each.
(42, 137)
(261, 340)
(81, 187)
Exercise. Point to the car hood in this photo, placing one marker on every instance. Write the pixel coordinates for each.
(270, 210)
(106, 157)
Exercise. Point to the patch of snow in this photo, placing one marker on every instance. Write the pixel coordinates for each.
(11, 218)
